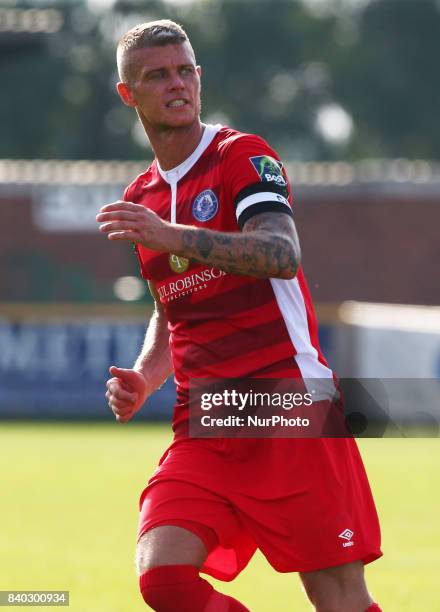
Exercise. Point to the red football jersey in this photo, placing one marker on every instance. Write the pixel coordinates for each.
(224, 325)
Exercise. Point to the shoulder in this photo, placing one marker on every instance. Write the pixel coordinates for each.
(134, 189)
(249, 161)
(232, 142)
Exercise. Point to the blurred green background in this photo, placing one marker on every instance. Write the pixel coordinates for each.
(321, 79)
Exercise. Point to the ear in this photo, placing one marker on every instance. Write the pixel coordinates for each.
(199, 71)
(126, 95)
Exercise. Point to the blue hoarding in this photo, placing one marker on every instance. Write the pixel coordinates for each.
(59, 369)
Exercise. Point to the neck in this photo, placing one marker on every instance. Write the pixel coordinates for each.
(171, 146)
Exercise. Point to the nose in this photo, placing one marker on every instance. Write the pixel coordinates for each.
(176, 81)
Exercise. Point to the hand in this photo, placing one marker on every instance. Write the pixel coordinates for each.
(126, 392)
(136, 223)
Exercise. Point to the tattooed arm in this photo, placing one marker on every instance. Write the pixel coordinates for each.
(267, 247)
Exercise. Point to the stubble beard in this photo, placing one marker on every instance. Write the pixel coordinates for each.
(163, 127)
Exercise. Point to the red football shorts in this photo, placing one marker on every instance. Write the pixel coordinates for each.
(305, 503)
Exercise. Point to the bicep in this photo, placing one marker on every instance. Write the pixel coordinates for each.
(276, 223)
(274, 234)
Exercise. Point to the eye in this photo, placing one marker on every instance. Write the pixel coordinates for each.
(186, 70)
(157, 74)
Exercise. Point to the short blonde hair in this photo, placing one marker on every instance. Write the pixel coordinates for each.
(151, 34)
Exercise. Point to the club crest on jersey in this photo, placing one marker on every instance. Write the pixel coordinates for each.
(269, 169)
(205, 206)
(178, 264)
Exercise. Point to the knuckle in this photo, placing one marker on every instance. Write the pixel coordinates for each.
(119, 394)
(124, 409)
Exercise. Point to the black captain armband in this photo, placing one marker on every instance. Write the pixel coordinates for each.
(259, 198)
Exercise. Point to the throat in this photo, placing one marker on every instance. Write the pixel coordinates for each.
(174, 145)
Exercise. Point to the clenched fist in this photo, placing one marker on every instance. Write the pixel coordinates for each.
(127, 391)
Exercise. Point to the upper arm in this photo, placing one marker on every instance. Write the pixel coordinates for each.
(273, 222)
(279, 226)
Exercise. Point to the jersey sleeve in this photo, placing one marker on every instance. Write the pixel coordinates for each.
(256, 179)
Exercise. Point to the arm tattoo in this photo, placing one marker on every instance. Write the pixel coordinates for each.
(267, 247)
(204, 243)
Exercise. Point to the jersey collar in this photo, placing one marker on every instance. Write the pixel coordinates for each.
(175, 174)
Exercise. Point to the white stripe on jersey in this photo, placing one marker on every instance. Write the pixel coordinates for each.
(290, 301)
(261, 196)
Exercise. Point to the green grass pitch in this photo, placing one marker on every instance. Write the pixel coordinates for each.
(68, 515)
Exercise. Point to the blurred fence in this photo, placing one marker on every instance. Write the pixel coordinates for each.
(374, 222)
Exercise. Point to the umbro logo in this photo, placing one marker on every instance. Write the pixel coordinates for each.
(347, 534)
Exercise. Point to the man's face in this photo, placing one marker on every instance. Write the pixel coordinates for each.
(164, 85)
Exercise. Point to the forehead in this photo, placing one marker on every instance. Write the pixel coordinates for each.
(150, 58)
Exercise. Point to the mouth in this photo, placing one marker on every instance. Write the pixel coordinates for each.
(177, 103)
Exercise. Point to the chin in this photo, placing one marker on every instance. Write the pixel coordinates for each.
(181, 122)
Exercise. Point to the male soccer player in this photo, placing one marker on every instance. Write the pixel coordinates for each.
(212, 222)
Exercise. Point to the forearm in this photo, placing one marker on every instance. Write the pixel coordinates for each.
(258, 252)
(154, 361)
(267, 247)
